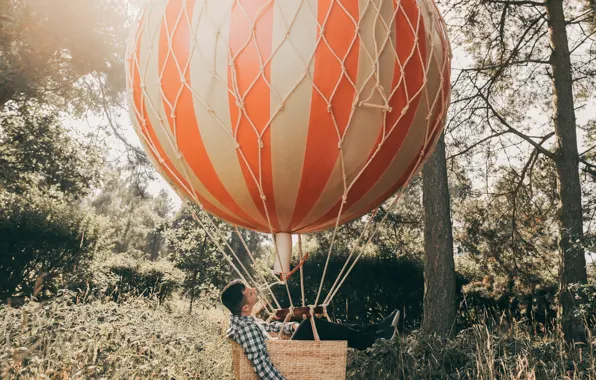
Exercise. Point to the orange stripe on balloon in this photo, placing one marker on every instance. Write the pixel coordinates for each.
(414, 166)
(322, 150)
(155, 149)
(175, 93)
(426, 150)
(414, 80)
(145, 127)
(251, 110)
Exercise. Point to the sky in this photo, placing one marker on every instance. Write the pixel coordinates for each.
(93, 127)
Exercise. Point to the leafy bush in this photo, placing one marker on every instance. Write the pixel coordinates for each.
(121, 276)
(43, 238)
(535, 307)
(38, 152)
(376, 286)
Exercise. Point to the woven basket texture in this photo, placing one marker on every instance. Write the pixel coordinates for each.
(297, 360)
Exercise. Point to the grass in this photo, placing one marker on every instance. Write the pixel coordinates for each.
(139, 339)
(475, 353)
(136, 339)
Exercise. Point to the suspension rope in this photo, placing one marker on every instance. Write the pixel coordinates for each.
(301, 271)
(196, 218)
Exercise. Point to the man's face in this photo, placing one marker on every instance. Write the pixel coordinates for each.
(250, 294)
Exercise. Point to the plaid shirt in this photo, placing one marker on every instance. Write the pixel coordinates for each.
(251, 333)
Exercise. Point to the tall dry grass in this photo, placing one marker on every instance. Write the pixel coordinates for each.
(510, 352)
(136, 339)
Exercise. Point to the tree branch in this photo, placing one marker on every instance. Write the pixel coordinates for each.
(586, 151)
(137, 152)
(516, 132)
(504, 64)
(476, 144)
(590, 168)
(578, 18)
(517, 2)
(582, 41)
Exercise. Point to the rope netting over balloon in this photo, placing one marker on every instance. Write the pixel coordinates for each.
(225, 94)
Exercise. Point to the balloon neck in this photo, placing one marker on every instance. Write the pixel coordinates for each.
(283, 241)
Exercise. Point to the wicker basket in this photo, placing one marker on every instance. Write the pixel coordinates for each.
(297, 360)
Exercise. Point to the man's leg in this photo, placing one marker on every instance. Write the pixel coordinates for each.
(334, 331)
(388, 322)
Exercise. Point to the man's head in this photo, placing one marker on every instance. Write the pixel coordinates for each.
(239, 298)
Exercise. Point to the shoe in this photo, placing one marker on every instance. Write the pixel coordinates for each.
(395, 320)
(394, 325)
(391, 332)
(387, 321)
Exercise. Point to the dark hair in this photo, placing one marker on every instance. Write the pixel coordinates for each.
(232, 296)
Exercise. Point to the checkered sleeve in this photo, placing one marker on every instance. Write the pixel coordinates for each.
(251, 338)
(275, 327)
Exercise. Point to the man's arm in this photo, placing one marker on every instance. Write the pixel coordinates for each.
(252, 341)
(276, 326)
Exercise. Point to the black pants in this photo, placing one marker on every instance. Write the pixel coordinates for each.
(358, 337)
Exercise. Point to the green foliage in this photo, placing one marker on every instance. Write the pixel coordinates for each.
(137, 339)
(376, 286)
(45, 232)
(43, 238)
(195, 253)
(137, 218)
(513, 233)
(47, 47)
(121, 277)
(36, 151)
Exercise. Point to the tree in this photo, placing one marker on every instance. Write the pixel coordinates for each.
(47, 47)
(44, 174)
(514, 233)
(137, 218)
(68, 56)
(566, 159)
(194, 251)
(36, 151)
(439, 267)
(43, 240)
(162, 206)
(523, 66)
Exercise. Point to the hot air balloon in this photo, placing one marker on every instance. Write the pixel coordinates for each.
(288, 116)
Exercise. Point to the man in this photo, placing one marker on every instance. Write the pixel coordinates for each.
(251, 333)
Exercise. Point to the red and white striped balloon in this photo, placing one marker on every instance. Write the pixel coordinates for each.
(276, 115)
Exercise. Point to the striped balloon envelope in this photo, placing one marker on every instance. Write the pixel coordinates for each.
(288, 115)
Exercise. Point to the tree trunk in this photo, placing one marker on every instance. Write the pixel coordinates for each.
(155, 245)
(192, 291)
(573, 261)
(439, 267)
(6, 94)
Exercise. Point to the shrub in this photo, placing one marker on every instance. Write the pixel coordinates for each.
(119, 275)
(43, 238)
(376, 286)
